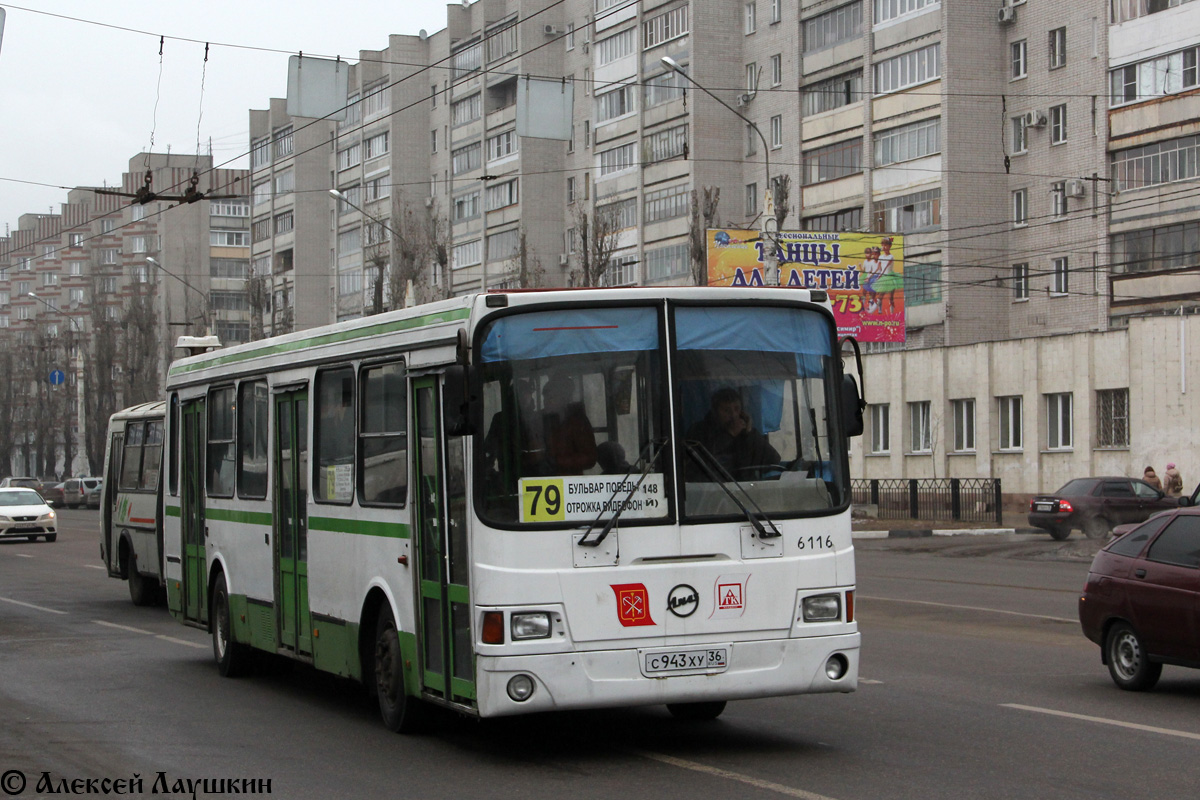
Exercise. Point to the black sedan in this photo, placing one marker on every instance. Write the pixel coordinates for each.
(1096, 505)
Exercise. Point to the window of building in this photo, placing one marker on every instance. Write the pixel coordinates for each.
(618, 159)
(228, 238)
(571, 189)
(465, 159)
(353, 196)
(1157, 163)
(1058, 199)
(665, 144)
(570, 36)
(376, 145)
(466, 110)
(751, 199)
(912, 212)
(1059, 422)
(616, 103)
(354, 110)
(1058, 48)
(1154, 77)
(375, 100)
(377, 187)
(49, 279)
(664, 87)
(465, 61)
(501, 40)
(890, 9)
(349, 241)
(838, 25)
(849, 219)
(501, 195)
(1165, 247)
(777, 131)
(284, 142)
(260, 229)
(751, 18)
(666, 262)
(752, 76)
(622, 271)
(350, 156)
(1020, 281)
(383, 436)
(504, 245)
(832, 162)
(922, 282)
(75, 268)
(776, 70)
(467, 254)
(1018, 134)
(776, 11)
(1112, 418)
(908, 142)
(832, 93)
(1010, 437)
(334, 437)
(466, 206)
(1058, 124)
(236, 268)
(260, 152)
(1020, 207)
(920, 433)
(220, 462)
(881, 435)
(137, 213)
(108, 285)
(502, 145)
(1019, 52)
(908, 69)
(284, 222)
(623, 213)
(107, 225)
(616, 47)
(285, 182)
(670, 203)
(74, 239)
(1060, 275)
(964, 425)
(665, 27)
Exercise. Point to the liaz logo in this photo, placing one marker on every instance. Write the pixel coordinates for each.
(633, 604)
(683, 600)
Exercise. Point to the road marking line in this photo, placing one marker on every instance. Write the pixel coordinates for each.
(869, 681)
(968, 608)
(181, 641)
(92, 566)
(31, 605)
(1135, 726)
(121, 627)
(758, 783)
(22, 555)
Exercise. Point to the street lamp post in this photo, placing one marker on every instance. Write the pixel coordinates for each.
(341, 196)
(770, 261)
(204, 306)
(81, 441)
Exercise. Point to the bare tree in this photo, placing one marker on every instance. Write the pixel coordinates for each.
(597, 234)
(704, 216)
(781, 188)
(142, 342)
(522, 270)
(9, 399)
(258, 291)
(438, 242)
(376, 259)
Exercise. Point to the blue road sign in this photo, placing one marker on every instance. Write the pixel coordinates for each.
(58, 377)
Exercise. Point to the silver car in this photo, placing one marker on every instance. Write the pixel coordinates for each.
(82, 491)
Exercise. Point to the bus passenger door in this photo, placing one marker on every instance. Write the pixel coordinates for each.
(108, 504)
(291, 521)
(192, 521)
(447, 659)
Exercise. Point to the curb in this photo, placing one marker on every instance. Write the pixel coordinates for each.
(917, 533)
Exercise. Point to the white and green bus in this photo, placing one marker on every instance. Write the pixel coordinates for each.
(524, 501)
(131, 500)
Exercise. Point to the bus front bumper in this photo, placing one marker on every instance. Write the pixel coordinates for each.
(614, 678)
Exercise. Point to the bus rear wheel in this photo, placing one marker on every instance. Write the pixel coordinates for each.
(696, 712)
(401, 712)
(141, 592)
(232, 657)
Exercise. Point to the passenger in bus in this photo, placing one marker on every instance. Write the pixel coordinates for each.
(525, 437)
(611, 457)
(728, 434)
(570, 439)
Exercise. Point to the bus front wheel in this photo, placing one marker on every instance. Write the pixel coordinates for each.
(140, 590)
(696, 712)
(232, 657)
(401, 712)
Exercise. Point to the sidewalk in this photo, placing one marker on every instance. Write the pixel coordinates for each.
(874, 528)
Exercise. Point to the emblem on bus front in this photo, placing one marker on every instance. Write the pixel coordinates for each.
(683, 600)
(633, 604)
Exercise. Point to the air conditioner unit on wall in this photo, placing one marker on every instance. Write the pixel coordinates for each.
(562, 259)
(1074, 188)
(1006, 14)
(551, 30)
(1035, 119)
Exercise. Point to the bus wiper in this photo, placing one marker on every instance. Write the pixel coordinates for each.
(608, 526)
(720, 476)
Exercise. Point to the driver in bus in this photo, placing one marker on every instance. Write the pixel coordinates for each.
(728, 435)
(568, 434)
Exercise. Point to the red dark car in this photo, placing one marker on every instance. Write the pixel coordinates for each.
(1142, 599)
(1096, 505)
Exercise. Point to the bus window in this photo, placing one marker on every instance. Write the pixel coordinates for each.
(151, 456)
(252, 440)
(334, 413)
(383, 439)
(131, 459)
(220, 461)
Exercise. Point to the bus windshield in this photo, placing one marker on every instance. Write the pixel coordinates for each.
(754, 405)
(572, 403)
(574, 408)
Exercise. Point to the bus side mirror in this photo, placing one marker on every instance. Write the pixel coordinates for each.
(852, 406)
(456, 401)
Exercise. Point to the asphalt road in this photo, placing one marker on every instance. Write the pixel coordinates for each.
(976, 682)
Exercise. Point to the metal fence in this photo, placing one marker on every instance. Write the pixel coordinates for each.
(959, 499)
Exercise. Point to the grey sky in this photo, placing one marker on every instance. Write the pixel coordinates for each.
(79, 99)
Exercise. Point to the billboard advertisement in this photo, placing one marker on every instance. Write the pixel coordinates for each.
(862, 272)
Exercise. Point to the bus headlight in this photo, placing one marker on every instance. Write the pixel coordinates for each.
(520, 688)
(822, 608)
(533, 625)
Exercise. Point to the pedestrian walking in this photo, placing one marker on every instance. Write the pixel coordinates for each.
(1173, 481)
(1151, 477)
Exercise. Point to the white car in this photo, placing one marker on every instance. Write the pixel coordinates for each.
(23, 512)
